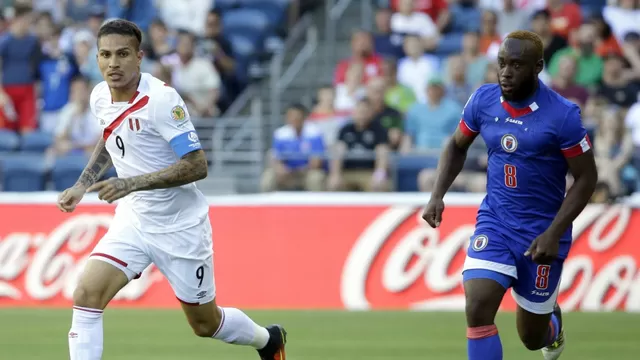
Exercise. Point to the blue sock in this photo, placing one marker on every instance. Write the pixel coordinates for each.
(483, 343)
(554, 330)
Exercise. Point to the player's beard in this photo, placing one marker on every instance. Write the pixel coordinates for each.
(524, 91)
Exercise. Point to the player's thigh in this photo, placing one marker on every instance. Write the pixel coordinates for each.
(489, 269)
(118, 258)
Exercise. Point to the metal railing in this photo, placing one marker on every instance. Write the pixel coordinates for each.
(335, 10)
(281, 78)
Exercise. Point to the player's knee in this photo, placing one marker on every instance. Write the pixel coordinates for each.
(206, 328)
(532, 341)
(480, 309)
(86, 297)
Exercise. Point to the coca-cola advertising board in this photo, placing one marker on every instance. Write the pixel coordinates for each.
(314, 251)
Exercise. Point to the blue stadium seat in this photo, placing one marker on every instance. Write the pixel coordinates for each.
(223, 5)
(275, 10)
(66, 171)
(36, 141)
(244, 43)
(9, 140)
(253, 19)
(24, 172)
(407, 169)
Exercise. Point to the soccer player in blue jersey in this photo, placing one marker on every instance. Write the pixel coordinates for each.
(523, 230)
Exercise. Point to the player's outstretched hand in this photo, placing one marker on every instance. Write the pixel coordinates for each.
(544, 249)
(68, 199)
(433, 212)
(111, 189)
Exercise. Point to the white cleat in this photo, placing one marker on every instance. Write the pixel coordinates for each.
(553, 351)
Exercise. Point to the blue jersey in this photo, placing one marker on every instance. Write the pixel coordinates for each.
(527, 145)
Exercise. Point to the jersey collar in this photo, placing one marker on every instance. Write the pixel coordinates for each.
(518, 112)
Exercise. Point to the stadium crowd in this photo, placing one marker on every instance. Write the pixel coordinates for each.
(401, 92)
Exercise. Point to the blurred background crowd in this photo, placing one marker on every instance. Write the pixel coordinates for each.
(378, 126)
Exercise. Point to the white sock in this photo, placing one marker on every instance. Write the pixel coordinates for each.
(85, 336)
(237, 328)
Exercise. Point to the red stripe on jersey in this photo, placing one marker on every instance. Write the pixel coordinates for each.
(114, 125)
(131, 124)
(137, 124)
(578, 149)
(466, 130)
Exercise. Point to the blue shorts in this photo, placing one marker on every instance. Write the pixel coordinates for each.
(534, 287)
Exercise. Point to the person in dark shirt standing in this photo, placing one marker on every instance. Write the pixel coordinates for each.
(389, 118)
(361, 158)
(20, 53)
(541, 25)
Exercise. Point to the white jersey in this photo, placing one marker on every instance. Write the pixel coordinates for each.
(150, 132)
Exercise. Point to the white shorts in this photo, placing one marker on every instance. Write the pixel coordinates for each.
(184, 257)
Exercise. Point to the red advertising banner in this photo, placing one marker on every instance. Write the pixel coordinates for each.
(316, 257)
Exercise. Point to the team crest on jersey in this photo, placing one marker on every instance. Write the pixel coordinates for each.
(479, 243)
(178, 113)
(193, 137)
(134, 124)
(509, 143)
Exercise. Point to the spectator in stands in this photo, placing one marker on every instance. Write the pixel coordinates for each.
(44, 26)
(362, 53)
(566, 16)
(631, 51)
(541, 25)
(20, 54)
(142, 12)
(416, 68)
(77, 131)
(353, 88)
(613, 149)
(614, 87)
(622, 15)
(491, 74)
(159, 42)
(490, 39)
(464, 16)
(511, 18)
(57, 69)
(606, 43)
(475, 62)
(433, 8)
(409, 22)
(564, 83)
(589, 63)
(459, 89)
(296, 155)
(84, 54)
(81, 10)
(195, 78)
(388, 117)
(190, 15)
(325, 116)
(398, 96)
(385, 42)
(361, 158)
(218, 47)
(428, 125)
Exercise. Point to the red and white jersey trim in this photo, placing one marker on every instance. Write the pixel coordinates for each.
(466, 130)
(578, 149)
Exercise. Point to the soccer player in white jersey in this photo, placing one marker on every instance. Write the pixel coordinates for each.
(162, 218)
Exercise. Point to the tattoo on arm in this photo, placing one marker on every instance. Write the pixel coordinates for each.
(192, 167)
(99, 162)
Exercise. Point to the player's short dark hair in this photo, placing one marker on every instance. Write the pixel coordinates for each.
(121, 27)
(298, 107)
(538, 46)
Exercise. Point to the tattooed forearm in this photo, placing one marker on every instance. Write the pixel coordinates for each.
(192, 167)
(99, 162)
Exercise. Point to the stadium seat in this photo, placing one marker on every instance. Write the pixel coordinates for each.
(253, 19)
(224, 5)
(275, 10)
(9, 140)
(36, 141)
(66, 171)
(407, 169)
(244, 43)
(24, 172)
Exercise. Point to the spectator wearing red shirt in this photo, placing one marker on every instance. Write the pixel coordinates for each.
(432, 8)
(20, 53)
(361, 52)
(606, 43)
(565, 17)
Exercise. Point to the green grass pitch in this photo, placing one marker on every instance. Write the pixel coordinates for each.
(27, 334)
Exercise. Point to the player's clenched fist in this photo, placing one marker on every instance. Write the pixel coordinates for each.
(433, 212)
(68, 199)
(111, 189)
(544, 249)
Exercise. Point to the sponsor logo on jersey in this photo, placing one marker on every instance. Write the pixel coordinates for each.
(178, 113)
(480, 242)
(193, 137)
(509, 143)
(513, 121)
